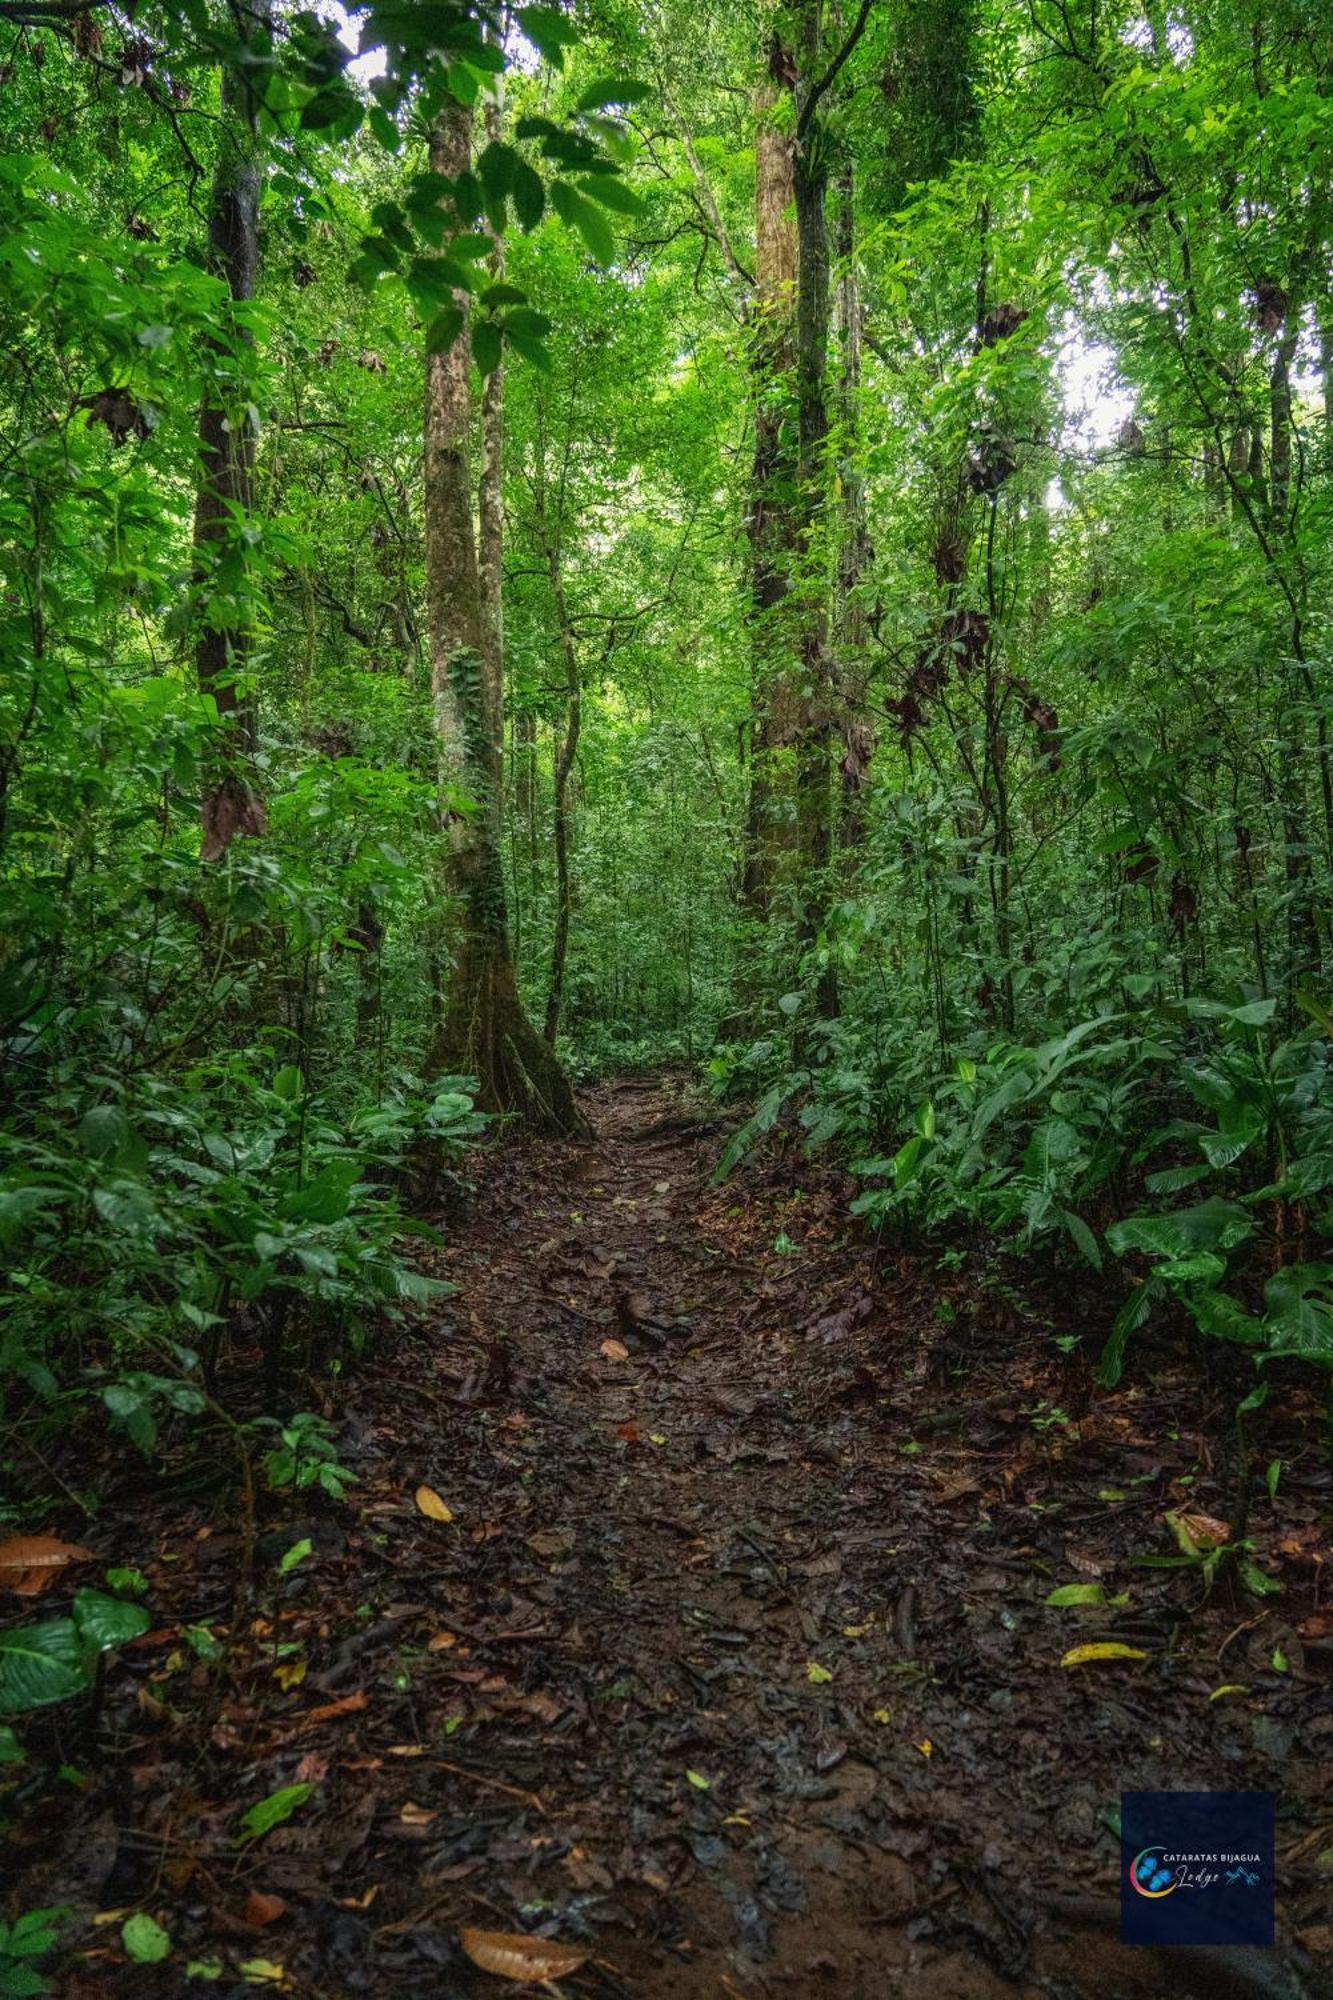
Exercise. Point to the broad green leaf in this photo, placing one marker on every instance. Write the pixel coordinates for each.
(579, 213)
(104, 1622)
(144, 1939)
(40, 1664)
(549, 31)
(272, 1811)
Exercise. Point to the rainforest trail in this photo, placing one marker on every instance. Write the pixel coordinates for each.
(730, 1665)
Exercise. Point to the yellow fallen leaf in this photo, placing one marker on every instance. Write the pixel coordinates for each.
(819, 1675)
(415, 1815)
(431, 1505)
(656, 1437)
(736, 1819)
(1105, 1649)
(858, 1631)
(527, 1960)
(291, 1675)
(926, 1747)
(1230, 1687)
(700, 1783)
(883, 1715)
(263, 1972)
(362, 1902)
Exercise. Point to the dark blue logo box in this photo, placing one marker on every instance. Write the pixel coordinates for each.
(1196, 1868)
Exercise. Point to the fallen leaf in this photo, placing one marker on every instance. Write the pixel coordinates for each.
(407, 1749)
(1231, 1687)
(528, 1960)
(272, 1811)
(442, 1642)
(1084, 1593)
(883, 1715)
(656, 1437)
(261, 1909)
(819, 1675)
(1105, 1649)
(263, 1972)
(430, 1504)
(415, 1815)
(291, 1675)
(700, 1783)
(312, 1769)
(144, 1939)
(327, 1711)
(362, 1902)
(926, 1747)
(28, 1563)
(552, 1544)
(614, 1350)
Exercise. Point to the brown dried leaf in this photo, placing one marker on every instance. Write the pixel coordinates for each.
(614, 1350)
(527, 1960)
(261, 1909)
(28, 1563)
(1204, 1529)
(327, 1711)
(552, 1544)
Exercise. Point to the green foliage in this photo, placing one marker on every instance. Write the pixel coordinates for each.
(272, 1811)
(305, 1455)
(56, 1659)
(29, 1937)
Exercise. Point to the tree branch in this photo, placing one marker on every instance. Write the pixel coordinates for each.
(808, 108)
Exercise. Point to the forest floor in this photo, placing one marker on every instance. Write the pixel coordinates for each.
(732, 1667)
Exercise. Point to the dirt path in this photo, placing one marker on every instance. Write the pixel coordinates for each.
(733, 1665)
(771, 1655)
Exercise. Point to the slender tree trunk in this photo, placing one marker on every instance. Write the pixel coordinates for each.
(564, 766)
(814, 806)
(484, 1031)
(1279, 457)
(231, 804)
(770, 520)
(850, 623)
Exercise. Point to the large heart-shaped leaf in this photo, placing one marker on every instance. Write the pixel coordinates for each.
(41, 1664)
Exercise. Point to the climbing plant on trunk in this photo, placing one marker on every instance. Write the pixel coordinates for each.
(483, 1030)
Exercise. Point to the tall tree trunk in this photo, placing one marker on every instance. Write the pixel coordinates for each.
(231, 804)
(773, 480)
(851, 629)
(814, 803)
(564, 766)
(484, 1032)
(1279, 457)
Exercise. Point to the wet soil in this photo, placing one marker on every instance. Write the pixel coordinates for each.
(732, 1666)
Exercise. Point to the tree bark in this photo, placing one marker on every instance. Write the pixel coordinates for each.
(814, 800)
(231, 803)
(851, 627)
(773, 481)
(484, 1031)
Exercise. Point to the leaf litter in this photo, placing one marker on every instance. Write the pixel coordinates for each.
(775, 1699)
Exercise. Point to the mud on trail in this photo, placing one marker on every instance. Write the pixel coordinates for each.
(732, 1667)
